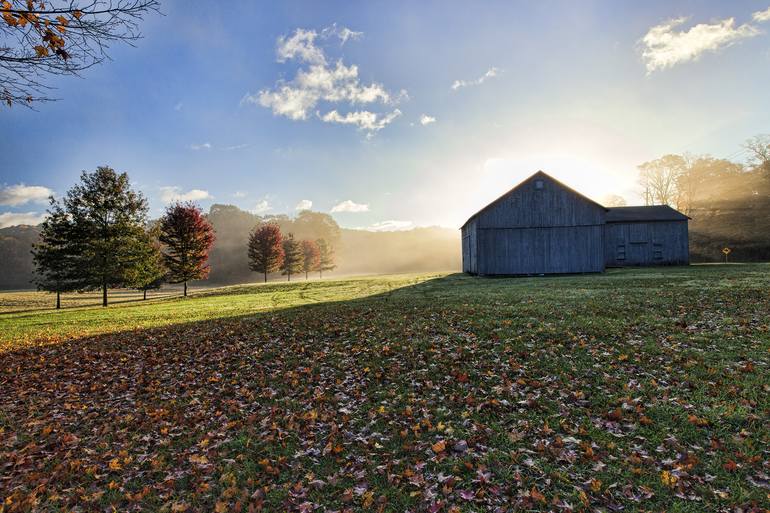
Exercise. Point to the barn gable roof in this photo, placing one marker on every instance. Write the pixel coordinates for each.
(524, 182)
(644, 214)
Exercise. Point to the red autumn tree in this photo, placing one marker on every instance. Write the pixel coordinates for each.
(311, 256)
(266, 249)
(187, 237)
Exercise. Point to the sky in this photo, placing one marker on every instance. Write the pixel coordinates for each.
(395, 114)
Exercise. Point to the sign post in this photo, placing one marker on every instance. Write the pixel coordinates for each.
(726, 252)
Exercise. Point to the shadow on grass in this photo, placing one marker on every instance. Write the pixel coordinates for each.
(223, 396)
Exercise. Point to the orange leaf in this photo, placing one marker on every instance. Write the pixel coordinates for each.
(438, 447)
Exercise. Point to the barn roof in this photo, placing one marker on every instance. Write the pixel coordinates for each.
(520, 184)
(646, 213)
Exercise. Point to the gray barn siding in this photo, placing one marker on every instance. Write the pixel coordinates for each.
(554, 205)
(552, 230)
(545, 250)
(470, 247)
(646, 243)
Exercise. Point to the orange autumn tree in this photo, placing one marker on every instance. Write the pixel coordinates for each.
(41, 38)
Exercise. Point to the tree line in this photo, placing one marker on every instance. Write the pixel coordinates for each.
(686, 181)
(98, 237)
(269, 251)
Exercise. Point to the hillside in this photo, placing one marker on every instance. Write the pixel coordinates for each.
(15, 246)
(743, 225)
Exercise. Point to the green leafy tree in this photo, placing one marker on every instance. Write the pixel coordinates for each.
(325, 257)
(187, 237)
(150, 271)
(106, 239)
(311, 257)
(52, 256)
(265, 249)
(292, 257)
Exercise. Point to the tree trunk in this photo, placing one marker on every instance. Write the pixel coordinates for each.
(320, 273)
(58, 300)
(265, 276)
(288, 276)
(145, 295)
(185, 289)
(306, 275)
(104, 292)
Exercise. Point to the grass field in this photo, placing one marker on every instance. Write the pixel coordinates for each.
(642, 390)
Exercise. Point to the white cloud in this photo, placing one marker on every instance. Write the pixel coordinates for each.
(15, 218)
(350, 206)
(171, 194)
(363, 119)
(14, 195)
(344, 33)
(239, 194)
(204, 146)
(262, 207)
(761, 16)
(301, 46)
(236, 147)
(304, 205)
(491, 73)
(318, 81)
(664, 46)
(390, 225)
(427, 120)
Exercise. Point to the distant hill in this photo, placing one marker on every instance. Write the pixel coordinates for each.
(420, 249)
(15, 258)
(743, 225)
(357, 251)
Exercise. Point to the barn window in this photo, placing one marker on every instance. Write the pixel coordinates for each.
(621, 252)
(657, 251)
(538, 184)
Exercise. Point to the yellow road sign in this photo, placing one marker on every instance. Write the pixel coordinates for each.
(726, 251)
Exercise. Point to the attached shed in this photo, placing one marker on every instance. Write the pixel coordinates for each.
(651, 235)
(541, 226)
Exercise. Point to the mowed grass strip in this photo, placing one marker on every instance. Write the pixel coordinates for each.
(34, 325)
(637, 389)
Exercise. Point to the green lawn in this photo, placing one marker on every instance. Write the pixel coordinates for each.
(638, 389)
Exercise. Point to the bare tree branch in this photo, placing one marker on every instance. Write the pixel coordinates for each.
(65, 37)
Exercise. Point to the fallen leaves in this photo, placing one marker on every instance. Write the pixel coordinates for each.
(404, 404)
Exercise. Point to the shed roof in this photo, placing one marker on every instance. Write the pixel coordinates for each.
(538, 174)
(644, 213)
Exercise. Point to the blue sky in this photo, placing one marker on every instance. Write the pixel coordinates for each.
(352, 105)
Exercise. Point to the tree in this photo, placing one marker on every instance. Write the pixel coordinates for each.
(658, 179)
(759, 153)
(265, 249)
(614, 200)
(228, 261)
(60, 37)
(311, 256)
(106, 239)
(187, 237)
(325, 257)
(292, 257)
(315, 225)
(150, 271)
(52, 255)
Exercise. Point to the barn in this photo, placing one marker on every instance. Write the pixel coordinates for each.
(542, 226)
